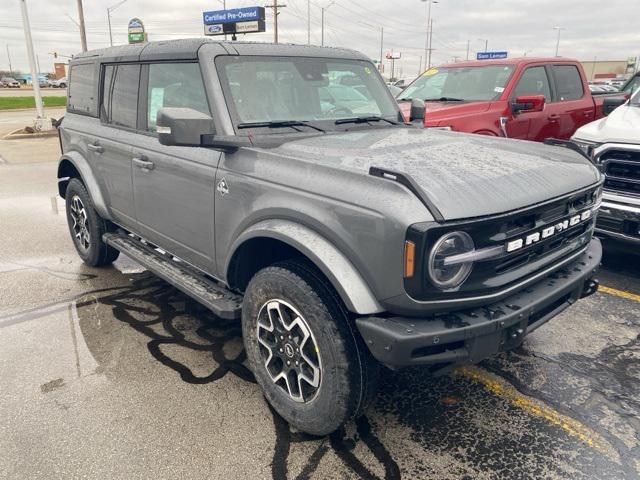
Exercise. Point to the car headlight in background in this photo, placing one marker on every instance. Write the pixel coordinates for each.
(447, 267)
(586, 146)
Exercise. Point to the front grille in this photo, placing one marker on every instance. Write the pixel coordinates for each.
(622, 171)
(497, 273)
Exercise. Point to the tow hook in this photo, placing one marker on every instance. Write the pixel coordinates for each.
(590, 287)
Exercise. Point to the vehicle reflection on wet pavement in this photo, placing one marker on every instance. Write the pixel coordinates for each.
(536, 412)
(112, 373)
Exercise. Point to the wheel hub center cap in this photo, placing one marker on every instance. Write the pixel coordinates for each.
(288, 350)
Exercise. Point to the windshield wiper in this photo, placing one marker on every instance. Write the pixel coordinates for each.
(280, 124)
(369, 119)
(444, 99)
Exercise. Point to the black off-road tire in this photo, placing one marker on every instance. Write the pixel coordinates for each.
(94, 252)
(349, 373)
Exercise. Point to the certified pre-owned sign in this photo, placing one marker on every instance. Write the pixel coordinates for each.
(236, 20)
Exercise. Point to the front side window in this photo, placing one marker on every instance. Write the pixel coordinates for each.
(273, 89)
(174, 85)
(534, 81)
(460, 83)
(120, 95)
(568, 82)
(81, 96)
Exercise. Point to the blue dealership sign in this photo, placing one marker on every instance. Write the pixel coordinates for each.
(234, 15)
(491, 55)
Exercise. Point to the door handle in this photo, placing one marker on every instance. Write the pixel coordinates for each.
(95, 147)
(553, 118)
(143, 163)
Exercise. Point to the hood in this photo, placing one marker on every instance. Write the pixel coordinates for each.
(463, 175)
(621, 126)
(435, 111)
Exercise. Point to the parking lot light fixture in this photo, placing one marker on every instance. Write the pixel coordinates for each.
(109, 10)
(559, 29)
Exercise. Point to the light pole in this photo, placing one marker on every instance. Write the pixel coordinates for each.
(559, 29)
(486, 43)
(41, 123)
(9, 58)
(83, 33)
(322, 21)
(109, 10)
(427, 41)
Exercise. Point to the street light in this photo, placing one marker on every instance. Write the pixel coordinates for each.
(109, 10)
(224, 7)
(427, 41)
(559, 29)
(486, 43)
(322, 29)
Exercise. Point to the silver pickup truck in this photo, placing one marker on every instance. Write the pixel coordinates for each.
(253, 178)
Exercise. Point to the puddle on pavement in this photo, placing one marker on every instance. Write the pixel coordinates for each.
(420, 426)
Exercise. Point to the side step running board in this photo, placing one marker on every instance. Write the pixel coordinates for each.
(185, 278)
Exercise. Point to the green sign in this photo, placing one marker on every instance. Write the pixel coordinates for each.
(136, 37)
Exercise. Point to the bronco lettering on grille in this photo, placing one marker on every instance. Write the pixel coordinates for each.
(547, 232)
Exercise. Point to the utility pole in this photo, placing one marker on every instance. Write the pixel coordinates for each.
(322, 9)
(275, 7)
(308, 22)
(41, 123)
(427, 41)
(468, 45)
(559, 29)
(9, 57)
(430, 48)
(381, 47)
(420, 65)
(83, 33)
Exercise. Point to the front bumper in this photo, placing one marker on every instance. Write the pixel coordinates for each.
(472, 335)
(619, 218)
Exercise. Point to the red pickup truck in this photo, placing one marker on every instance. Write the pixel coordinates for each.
(525, 98)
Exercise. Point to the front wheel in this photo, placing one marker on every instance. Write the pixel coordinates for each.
(314, 369)
(87, 227)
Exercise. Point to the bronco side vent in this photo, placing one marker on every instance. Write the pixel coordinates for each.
(411, 184)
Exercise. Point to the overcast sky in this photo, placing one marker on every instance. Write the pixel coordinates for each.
(606, 29)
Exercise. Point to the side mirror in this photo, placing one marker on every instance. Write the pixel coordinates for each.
(183, 126)
(417, 110)
(528, 103)
(611, 103)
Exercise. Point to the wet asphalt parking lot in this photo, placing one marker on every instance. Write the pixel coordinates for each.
(112, 373)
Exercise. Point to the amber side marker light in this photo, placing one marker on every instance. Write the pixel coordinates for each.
(409, 258)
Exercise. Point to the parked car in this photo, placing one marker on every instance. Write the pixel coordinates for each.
(631, 85)
(524, 98)
(10, 82)
(614, 144)
(341, 241)
(59, 83)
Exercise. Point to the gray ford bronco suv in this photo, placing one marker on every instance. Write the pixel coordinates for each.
(277, 184)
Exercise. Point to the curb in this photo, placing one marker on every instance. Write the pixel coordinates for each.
(16, 136)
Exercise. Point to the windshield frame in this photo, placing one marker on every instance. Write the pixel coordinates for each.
(328, 124)
(499, 95)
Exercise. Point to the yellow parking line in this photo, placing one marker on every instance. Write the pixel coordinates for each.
(619, 293)
(508, 392)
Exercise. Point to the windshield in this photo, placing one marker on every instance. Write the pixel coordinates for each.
(303, 89)
(460, 83)
(635, 100)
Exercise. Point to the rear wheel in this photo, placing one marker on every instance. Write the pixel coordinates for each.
(312, 366)
(87, 227)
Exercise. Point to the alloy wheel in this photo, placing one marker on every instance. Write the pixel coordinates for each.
(289, 350)
(80, 223)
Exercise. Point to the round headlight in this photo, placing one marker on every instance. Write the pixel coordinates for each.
(450, 276)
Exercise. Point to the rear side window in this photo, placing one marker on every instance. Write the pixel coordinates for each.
(174, 85)
(568, 82)
(534, 81)
(120, 95)
(82, 88)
